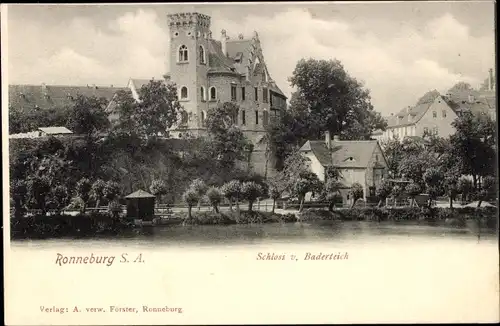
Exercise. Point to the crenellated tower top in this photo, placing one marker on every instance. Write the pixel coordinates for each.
(189, 19)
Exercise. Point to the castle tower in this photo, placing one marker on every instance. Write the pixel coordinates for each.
(188, 57)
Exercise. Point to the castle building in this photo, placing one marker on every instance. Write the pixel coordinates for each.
(209, 71)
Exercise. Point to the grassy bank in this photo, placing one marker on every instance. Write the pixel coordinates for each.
(227, 218)
(457, 216)
(62, 225)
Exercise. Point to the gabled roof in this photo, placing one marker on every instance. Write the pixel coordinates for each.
(55, 130)
(49, 96)
(140, 194)
(344, 153)
(416, 112)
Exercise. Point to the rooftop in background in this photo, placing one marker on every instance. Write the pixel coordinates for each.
(54, 96)
(55, 130)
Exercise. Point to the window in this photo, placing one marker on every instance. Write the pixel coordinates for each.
(264, 95)
(213, 93)
(183, 53)
(184, 93)
(444, 113)
(243, 93)
(203, 117)
(271, 99)
(256, 117)
(265, 118)
(202, 55)
(184, 117)
(243, 118)
(233, 92)
(434, 114)
(435, 130)
(202, 93)
(426, 130)
(256, 93)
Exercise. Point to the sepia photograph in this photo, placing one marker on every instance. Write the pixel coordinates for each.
(271, 162)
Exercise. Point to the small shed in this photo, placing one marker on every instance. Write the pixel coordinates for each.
(140, 205)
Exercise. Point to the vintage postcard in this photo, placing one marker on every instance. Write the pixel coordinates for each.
(250, 163)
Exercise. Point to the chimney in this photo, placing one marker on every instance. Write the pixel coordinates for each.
(328, 139)
(223, 41)
(336, 138)
(490, 80)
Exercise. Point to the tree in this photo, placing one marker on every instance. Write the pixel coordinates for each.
(226, 142)
(97, 191)
(214, 196)
(295, 165)
(413, 189)
(87, 115)
(18, 193)
(232, 191)
(157, 110)
(383, 191)
(306, 182)
(465, 187)
(332, 191)
(393, 152)
(111, 191)
(158, 188)
(473, 145)
(190, 197)
(251, 191)
(59, 198)
(413, 166)
(356, 192)
(83, 190)
(433, 179)
(39, 189)
(450, 184)
(489, 189)
(200, 187)
(333, 100)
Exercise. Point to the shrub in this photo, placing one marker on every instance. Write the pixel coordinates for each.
(214, 196)
(251, 191)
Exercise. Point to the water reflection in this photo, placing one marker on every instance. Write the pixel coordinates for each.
(310, 232)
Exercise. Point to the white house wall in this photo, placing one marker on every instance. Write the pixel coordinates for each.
(443, 124)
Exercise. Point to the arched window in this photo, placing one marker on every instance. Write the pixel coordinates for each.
(202, 55)
(203, 117)
(202, 93)
(213, 93)
(184, 93)
(184, 117)
(183, 53)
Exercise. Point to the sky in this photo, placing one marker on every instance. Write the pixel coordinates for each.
(399, 50)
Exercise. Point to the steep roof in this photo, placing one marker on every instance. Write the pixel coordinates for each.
(140, 194)
(477, 102)
(344, 153)
(50, 96)
(217, 60)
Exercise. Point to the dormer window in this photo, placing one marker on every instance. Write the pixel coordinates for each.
(183, 53)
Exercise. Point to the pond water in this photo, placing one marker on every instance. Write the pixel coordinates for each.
(278, 233)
